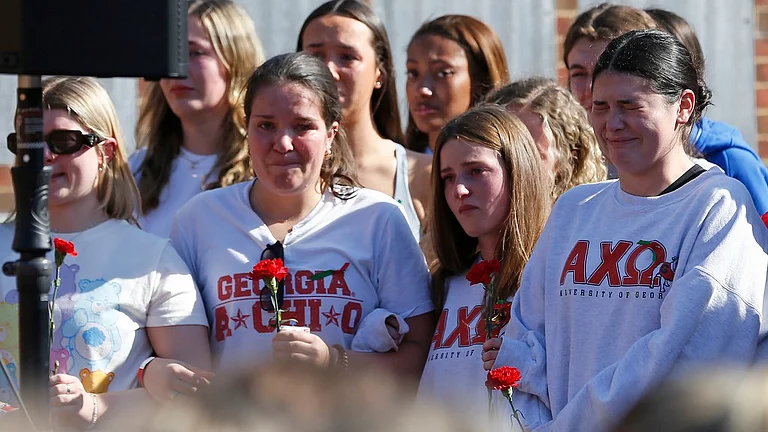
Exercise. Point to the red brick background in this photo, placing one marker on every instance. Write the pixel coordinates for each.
(761, 78)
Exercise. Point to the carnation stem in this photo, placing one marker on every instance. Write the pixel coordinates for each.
(273, 287)
(508, 395)
(52, 322)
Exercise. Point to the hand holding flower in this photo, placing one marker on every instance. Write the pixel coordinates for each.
(302, 346)
(70, 403)
(490, 352)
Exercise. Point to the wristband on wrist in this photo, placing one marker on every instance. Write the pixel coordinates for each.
(143, 366)
(342, 359)
(95, 413)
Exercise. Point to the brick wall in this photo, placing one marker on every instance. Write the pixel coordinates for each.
(566, 13)
(761, 84)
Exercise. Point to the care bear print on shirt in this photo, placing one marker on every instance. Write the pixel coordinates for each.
(91, 335)
(9, 349)
(62, 311)
(97, 381)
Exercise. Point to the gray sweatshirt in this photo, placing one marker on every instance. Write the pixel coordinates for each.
(623, 291)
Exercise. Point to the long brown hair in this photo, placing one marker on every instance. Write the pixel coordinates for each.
(565, 124)
(384, 107)
(485, 57)
(529, 201)
(304, 69)
(234, 39)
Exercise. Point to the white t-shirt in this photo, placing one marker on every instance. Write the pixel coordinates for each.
(454, 373)
(366, 239)
(122, 281)
(189, 174)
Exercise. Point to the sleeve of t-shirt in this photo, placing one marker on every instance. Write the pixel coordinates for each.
(181, 240)
(710, 315)
(175, 299)
(402, 276)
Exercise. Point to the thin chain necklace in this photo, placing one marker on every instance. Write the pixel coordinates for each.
(192, 163)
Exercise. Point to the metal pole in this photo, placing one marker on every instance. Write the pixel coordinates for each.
(32, 241)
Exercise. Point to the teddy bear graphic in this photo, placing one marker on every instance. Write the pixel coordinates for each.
(9, 349)
(91, 336)
(62, 311)
(96, 381)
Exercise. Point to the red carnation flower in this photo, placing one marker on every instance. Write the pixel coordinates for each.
(64, 247)
(269, 268)
(765, 219)
(482, 272)
(503, 378)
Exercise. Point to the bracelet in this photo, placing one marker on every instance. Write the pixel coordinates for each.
(95, 414)
(140, 375)
(342, 359)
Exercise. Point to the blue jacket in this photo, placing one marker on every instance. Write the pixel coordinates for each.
(724, 146)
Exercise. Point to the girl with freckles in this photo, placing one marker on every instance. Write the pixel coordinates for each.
(645, 277)
(348, 250)
(491, 199)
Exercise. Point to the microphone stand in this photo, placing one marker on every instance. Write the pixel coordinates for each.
(32, 240)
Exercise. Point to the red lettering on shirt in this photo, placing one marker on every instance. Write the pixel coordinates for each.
(576, 263)
(225, 287)
(609, 265)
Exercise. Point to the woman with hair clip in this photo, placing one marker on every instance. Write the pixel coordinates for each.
(348, 250)
(453, 62)
(349, 37)
(190, 132)
(490, 200)
(126, 294)
(718, 142)
(560, 128)
(641, 278)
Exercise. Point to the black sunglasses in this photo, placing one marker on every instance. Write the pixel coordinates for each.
(272, 251)
(61, 142)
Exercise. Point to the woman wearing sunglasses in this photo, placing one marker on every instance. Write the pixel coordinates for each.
(349, 250)
(127, 294)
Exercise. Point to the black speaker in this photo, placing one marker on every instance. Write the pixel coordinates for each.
(102, 38)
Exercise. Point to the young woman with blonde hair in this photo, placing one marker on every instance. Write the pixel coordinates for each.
(490, 201)
(560, 128)
(127, 294)
(190, 132)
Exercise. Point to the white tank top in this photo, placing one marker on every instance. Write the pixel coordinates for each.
(403, 192)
